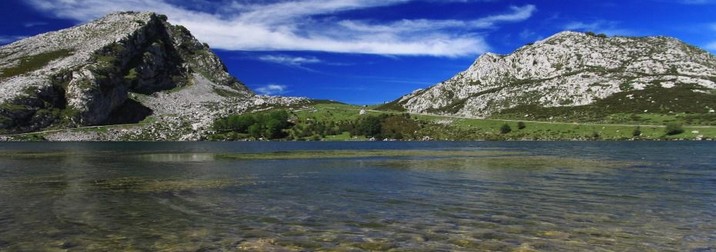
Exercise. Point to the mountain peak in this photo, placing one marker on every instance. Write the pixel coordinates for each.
(563, 34)
(91, 73)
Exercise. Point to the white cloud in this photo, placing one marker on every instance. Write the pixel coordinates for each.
(272, 89)
(289, 61)
(307, 25)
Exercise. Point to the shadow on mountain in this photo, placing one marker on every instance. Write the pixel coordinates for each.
(130, 112)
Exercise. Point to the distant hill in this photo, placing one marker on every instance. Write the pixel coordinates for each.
(118, 69)
(577, 76)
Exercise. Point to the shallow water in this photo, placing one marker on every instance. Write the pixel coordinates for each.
(426, 196)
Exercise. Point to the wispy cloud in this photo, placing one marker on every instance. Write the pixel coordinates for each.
(9, 39)
(272, 89)
(600, 26)
(696, 2)
(711, 46)
(517, 14)
(687, 2)
(33, 24)
(307, 25)
(290, 61)
(527, 34)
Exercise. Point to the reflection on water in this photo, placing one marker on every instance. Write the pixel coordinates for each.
(174, 197)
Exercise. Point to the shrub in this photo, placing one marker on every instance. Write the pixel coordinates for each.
(673, 129)
(636, 132)
(505, 129)
(521, 125)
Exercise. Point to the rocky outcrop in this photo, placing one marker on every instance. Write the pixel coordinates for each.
(92, 74)
(567, 69)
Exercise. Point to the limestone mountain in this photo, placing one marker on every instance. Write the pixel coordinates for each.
(577, 70)
(118, 69)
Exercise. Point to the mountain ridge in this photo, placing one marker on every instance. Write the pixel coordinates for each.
(565, 70)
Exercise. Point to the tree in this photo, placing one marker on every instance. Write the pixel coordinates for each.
(274, 129)
(505, 129)
(521, 125)
(240, 123)
(270, 125)
(255, 131)
(370, 126)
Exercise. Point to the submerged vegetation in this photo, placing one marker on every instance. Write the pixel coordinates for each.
(365, 154)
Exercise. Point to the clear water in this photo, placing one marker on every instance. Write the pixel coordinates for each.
(529, 196)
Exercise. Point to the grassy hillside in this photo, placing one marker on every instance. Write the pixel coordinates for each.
(331, 121)
(653, 105)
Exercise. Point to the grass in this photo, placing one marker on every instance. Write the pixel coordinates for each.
(484, 128)
(452, 128)
(33, 62)
(345, 136)
(326, 112)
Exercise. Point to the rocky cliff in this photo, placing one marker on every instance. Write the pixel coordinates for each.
(571, 69)
(118, 69)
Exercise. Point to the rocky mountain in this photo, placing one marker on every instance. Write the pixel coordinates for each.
(119, 69)
(572, 69)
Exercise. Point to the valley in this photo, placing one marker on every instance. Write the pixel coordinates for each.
(133, 76)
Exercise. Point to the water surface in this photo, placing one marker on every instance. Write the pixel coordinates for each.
(422, 196)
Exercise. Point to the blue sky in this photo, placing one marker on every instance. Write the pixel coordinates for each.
(371, 51)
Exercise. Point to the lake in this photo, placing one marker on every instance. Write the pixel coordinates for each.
(355, 196)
